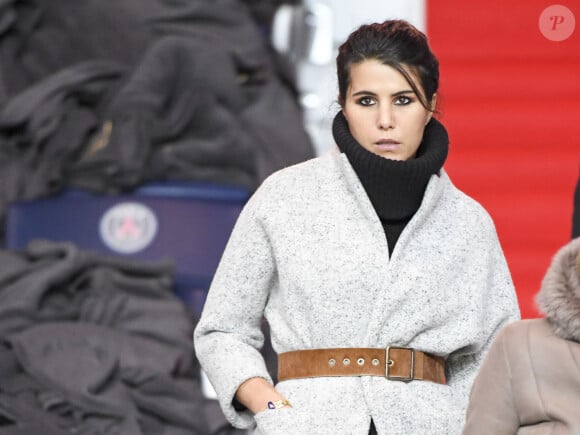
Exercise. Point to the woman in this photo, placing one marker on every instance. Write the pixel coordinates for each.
(352, 256)
(530, 379)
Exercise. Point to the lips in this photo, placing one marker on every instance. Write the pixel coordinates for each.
(386, 146)
(387, 142)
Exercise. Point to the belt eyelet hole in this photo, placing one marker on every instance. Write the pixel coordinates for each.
(360, 361)
(346, 361)
(331, 362)
(391, 363)
(375, 362)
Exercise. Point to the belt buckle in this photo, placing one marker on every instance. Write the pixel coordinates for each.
(389, 363)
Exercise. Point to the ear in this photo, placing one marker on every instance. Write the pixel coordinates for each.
(433, 106)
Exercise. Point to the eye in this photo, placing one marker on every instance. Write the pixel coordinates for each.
(366, 101)
(403, 100)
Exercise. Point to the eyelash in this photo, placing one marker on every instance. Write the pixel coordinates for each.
(408, 100)
(365, 101)
(399, 101)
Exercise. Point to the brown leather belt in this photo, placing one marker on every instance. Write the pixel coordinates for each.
(394, 363)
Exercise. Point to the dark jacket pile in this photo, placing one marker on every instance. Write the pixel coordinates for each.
(94, 345)
(106, 96)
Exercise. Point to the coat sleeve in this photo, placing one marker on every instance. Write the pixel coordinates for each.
(228, 337)
(494, 307)
(491, 408)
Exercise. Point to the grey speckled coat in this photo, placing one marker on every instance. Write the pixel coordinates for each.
(310, 253)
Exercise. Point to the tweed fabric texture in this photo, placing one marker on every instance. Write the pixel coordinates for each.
(309, 253)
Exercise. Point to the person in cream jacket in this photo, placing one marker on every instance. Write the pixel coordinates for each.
(530, 380)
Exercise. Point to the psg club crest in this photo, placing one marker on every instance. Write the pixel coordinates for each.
(128, 227)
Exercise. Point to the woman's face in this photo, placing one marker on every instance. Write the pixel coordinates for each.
(383, 113)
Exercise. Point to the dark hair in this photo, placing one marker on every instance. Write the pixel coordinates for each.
(395, 43)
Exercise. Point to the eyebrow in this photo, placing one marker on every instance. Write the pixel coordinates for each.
(396, 94)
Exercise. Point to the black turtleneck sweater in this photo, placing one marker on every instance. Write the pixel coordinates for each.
(395, 188)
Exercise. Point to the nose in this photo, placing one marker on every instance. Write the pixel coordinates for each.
(385, 118)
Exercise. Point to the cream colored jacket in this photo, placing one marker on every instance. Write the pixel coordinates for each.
(530, 380)
(529, 384)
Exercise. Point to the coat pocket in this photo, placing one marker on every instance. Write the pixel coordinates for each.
(283, 421)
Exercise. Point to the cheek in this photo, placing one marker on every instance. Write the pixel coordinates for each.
(413, 131)
(356, 123)
(419, 123)
(418, 136)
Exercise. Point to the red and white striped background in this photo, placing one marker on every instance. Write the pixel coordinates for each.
(511, 102)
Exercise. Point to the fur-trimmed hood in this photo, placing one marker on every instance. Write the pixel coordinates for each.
(559, 295)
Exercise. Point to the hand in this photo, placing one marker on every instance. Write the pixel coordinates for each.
(255, 394)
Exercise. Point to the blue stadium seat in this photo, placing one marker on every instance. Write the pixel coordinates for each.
(189, 222)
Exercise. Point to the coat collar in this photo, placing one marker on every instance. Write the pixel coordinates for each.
(559, 295)
(437, 187)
